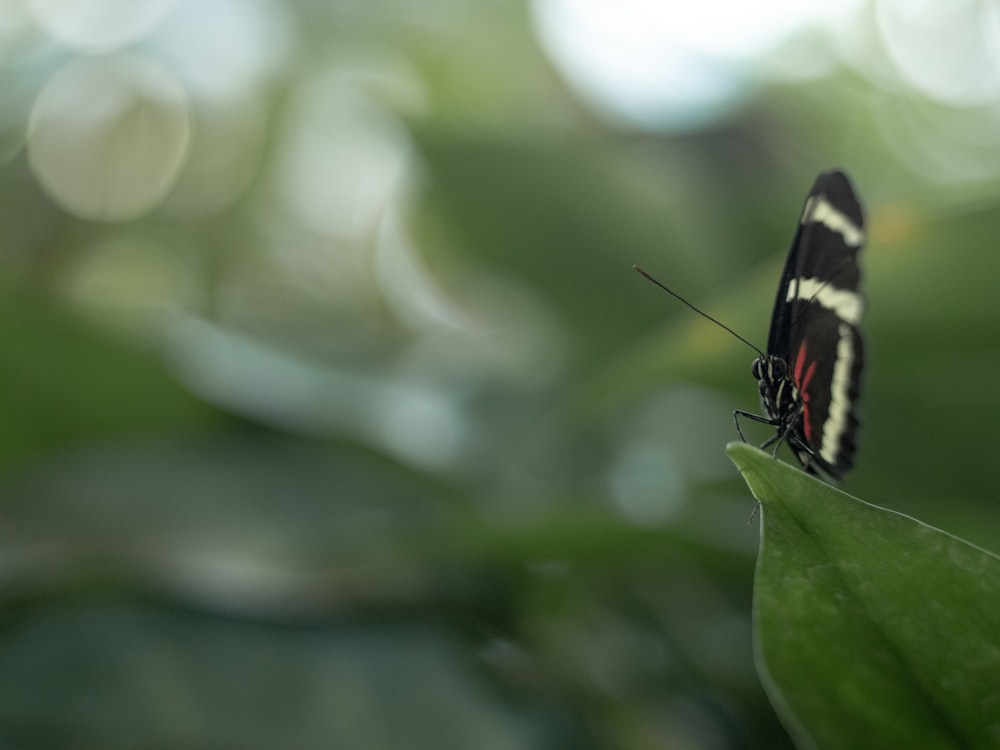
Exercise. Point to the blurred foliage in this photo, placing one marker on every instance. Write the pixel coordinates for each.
(365, 433)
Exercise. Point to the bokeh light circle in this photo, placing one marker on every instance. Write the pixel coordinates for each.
(108, 136)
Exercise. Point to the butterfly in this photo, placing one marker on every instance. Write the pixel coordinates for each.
(810, 375)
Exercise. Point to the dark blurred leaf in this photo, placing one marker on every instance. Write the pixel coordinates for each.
(225, 568)
(873, 630)
(117, 676)
(61, 382)
(252, 525)
(568, 218)
(933, 334)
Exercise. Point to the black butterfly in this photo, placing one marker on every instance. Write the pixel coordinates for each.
(810, 376)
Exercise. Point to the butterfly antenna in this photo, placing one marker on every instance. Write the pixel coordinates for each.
(705, 315)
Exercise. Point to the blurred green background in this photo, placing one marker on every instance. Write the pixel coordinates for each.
(332, 413)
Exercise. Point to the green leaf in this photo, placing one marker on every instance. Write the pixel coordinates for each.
(872, 629)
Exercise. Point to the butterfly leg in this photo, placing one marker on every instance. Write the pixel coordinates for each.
(737, 413)
(783, 436)
(788, 435)
(776, 441)
(803, 450)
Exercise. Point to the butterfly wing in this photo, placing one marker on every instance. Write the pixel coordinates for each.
(815, 327)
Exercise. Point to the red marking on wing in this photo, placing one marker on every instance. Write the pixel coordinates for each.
(802, 380)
